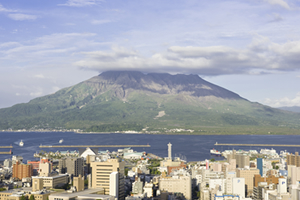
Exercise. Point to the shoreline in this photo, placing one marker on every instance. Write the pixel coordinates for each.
(138, 133)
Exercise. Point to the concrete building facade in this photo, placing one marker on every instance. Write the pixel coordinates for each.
(101, 172)
(182, 184)
(248, 175)
(72, 165)
(21, 170)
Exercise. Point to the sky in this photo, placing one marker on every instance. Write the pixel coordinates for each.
(251, 47)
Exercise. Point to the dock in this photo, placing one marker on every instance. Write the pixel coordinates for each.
(6, 147)
(8, 152)
(154, 156)
(259, 145)
(91, 146)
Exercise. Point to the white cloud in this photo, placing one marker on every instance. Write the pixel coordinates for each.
(283, 101)
(36, 94)
(44, 48)
(261, 55)
(39, 76)
(81, 3)
(103, 21)
(9, 44)
(2, 9)
(22, 17)
(281, 3)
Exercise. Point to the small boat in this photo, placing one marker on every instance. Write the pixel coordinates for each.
(61, 141)
(215, 152)
(21, 143)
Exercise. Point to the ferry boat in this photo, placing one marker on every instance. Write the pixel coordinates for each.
(21, 143)
(61, 141)
(215, 152)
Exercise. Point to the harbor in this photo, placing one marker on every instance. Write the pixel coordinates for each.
(91, 146)
(258, 145)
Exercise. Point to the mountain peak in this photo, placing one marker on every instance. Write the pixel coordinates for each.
(164, 83)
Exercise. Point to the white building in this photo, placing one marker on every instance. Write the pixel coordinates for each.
(214, 182)
(238, 187)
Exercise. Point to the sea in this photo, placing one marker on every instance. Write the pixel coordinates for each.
(187, 147)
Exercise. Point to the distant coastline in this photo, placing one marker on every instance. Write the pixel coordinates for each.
(144, 132)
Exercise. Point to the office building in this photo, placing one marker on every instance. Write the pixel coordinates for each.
(259, 162)
(49, 181)
(72, 165)
(238, 187)
(101, 175)
(176, 184)
(248, 175)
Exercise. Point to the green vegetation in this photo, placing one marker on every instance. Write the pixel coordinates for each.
(93, 107)
(31, 197)
(115, 127)
(154, 163)
(86, 182)
(65, 187)
(23, 198)
(2, 189)
(126, 171)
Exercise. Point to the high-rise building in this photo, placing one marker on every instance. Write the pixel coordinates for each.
(238, 187)
(248, 175)
(292, 159)
(282, 186)
(72, 165)
(21, 170)
(101, 176)
(240, 159)
(229, 176)
(259, 162)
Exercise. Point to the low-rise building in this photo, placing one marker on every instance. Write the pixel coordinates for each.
(176, 184)
(39, 182)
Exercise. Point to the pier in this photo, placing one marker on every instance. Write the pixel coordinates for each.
(92, 146)
(6, 147)
(259, 145)
(8, 152)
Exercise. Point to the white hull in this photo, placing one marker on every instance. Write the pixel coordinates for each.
(215, 152)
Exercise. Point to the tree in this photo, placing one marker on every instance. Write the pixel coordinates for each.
(23, 198)
(31, 197)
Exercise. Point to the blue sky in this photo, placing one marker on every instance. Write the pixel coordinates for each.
(251, 47)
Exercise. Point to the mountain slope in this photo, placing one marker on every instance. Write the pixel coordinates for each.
(292, 109)
(119, 100)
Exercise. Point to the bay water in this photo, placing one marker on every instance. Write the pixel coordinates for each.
(187, 147)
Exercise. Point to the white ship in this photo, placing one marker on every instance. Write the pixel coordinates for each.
(61, 141)
(21, 143)
(215, 152)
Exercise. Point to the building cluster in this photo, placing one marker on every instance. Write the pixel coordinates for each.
(129, 175)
